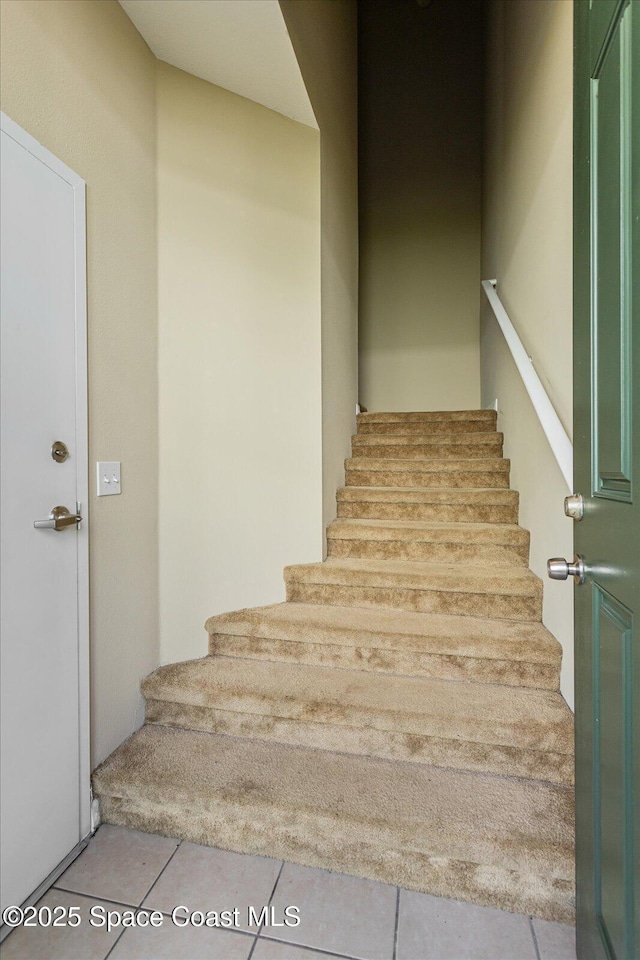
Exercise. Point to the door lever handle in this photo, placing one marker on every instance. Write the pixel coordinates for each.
(59, 519)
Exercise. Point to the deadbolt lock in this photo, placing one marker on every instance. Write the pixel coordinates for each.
(59, 451)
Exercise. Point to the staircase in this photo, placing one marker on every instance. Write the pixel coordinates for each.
(399, 716)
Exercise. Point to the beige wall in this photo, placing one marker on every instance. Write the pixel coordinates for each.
(420, 181)
(527, 237)
(324, 37)
(79, 78)
(239, 369)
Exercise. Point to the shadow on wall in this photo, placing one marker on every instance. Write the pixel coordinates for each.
(527, 246)
(420, 117)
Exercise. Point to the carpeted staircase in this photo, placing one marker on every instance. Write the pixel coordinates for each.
(399, 716)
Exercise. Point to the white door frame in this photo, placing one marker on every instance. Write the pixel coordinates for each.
(76, 182)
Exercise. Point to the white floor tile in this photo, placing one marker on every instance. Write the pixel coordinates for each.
(118, 864)
(556, 941)
(273, 950)
(169, 942)
(430, 928)
(83, 942)
(340, 914)
(205, 878)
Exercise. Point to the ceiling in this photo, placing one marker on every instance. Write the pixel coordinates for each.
(241, 45)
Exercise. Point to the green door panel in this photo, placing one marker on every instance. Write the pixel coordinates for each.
(607, 468)
(610, 91)
(602, 16)
(613, 770)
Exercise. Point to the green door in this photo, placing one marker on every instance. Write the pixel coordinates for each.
(607, 473)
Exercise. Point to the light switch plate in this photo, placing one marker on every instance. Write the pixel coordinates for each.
(108, 477)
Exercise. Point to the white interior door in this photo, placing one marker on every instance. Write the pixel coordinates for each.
(44, 782)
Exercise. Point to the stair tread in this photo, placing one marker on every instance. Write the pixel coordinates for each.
(418, 575)
(442, 448)
(464, 495)
(436, 439)
(436, 811)
(427, 415)
(474, 712)
(392, 629)
(428, 451)
(430, 464)
(428, 530)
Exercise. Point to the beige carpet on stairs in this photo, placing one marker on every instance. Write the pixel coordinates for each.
(399, 716)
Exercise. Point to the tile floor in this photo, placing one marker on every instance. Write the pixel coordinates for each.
(342, 917)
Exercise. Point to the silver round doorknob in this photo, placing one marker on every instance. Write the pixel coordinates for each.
(574, 506)
(560, 569)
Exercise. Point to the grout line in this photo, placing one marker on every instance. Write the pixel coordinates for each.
(304, 946)
(115, 942)
(243, 933)
(275, 884)
(253, 947)
(178, 845)
(135, 907)
(395, 929)
(92, 896)
(535, 939)
(273, 890)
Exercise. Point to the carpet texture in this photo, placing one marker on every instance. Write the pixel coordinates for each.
(516, 653)
(489, 544)
(491, 439)
(502, 842)
(479, 591)
(399, 716)
(382, 472)
(418, 451)
(425, 503)
(471, 726)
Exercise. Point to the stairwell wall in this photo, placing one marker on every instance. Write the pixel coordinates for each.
(420, 123)
(527, 247)
(324, 38)
(239, 354)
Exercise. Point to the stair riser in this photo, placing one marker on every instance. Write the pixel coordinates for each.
(490, 439)
(495, 606)
(473, 553)
(321, 734)
(427, 451)
(512, 673)
(425, 478)
(357, 849)
(440, 512)
(433, 427)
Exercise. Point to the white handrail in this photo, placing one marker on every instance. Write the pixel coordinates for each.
(549, 419)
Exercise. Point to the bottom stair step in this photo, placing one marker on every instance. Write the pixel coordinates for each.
(491, 840)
